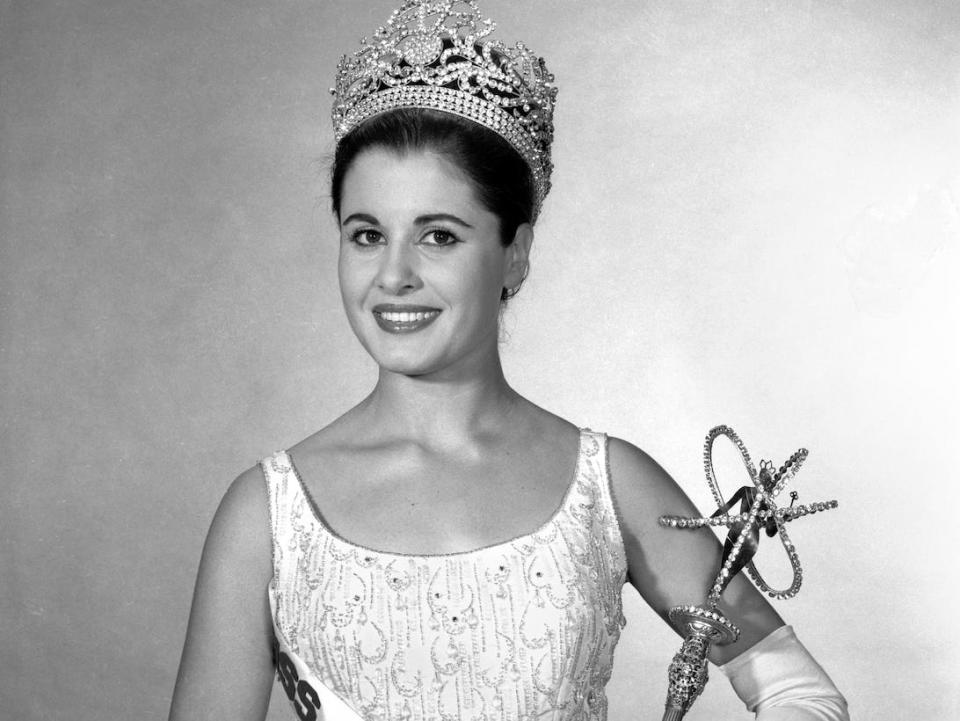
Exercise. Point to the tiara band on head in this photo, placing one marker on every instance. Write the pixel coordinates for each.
(436, 55)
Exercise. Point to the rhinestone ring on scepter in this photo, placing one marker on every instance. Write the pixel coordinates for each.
(704, 625)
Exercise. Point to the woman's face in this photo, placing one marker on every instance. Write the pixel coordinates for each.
(421, 264)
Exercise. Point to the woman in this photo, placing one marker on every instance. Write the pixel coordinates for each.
(447, 549)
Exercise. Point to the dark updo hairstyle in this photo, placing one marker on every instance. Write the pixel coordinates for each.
(500, 177)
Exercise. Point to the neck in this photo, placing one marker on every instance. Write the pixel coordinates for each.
(440, 411)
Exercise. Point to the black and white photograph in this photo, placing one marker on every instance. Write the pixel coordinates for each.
(479, 360)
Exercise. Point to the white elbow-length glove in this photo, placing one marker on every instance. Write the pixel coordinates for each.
(779, 680)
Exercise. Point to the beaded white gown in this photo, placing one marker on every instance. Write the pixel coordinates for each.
(516, 631)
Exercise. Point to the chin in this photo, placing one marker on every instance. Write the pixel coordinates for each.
(403, 361)
(405, 367)
(418, 355)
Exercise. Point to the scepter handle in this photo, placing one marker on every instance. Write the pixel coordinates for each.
(687, 674)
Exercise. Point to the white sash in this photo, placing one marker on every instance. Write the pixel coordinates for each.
(311, 699)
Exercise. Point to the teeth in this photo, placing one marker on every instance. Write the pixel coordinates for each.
(395, 317)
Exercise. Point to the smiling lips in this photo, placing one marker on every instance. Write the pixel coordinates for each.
(404, 318)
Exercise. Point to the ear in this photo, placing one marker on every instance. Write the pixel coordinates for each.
(517, 257)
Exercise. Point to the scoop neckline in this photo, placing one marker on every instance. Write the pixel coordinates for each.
(318, 518)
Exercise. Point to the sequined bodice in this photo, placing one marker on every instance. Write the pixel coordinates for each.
(519, 630)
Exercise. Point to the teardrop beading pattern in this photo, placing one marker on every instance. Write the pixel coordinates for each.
(521, 630)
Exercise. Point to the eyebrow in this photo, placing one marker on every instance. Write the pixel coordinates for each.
(419, 220)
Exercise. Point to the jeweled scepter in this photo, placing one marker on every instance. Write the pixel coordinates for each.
(704, 625)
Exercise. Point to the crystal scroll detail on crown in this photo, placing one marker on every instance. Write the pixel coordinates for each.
(438, 55)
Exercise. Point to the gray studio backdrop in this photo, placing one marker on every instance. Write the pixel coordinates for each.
(753, 222)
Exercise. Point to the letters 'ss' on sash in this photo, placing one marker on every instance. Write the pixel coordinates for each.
(311, 699)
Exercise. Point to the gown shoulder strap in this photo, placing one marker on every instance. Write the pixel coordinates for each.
(285, 498)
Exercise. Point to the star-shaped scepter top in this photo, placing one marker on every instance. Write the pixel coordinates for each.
(758, 509)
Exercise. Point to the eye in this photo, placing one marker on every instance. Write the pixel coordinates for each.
(440, 237)
(366, 237)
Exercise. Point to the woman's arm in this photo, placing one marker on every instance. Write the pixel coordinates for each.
(772, 673)
(226, 669)
(779, 680)
(677, 568)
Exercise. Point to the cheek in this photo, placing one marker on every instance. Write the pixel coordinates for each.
(475, 280)
(489, 283)
(351, 280)
(480, 291)
(352, 293)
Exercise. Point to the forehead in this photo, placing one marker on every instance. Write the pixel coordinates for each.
(414, 180)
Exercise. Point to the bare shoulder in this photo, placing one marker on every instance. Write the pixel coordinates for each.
(226, 667)
(626, 458)
(643, 491)
(241, 525)
(640, 482)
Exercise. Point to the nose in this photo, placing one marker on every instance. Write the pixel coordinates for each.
(397, 273)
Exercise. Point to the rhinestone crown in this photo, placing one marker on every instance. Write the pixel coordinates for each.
(435, 54)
